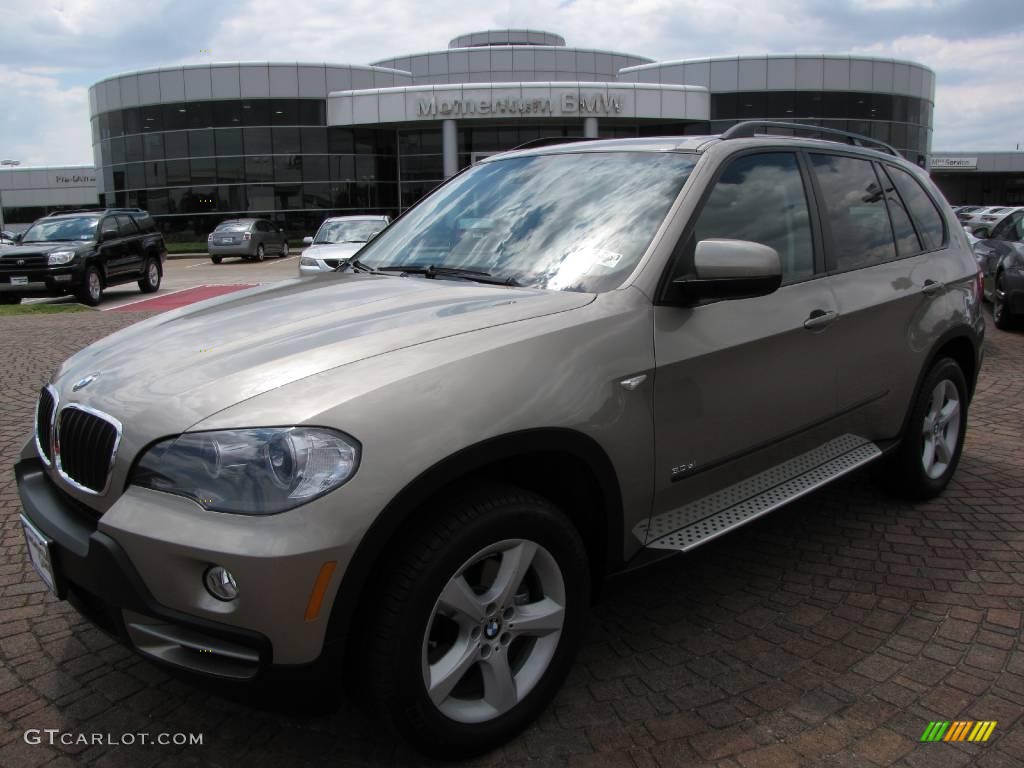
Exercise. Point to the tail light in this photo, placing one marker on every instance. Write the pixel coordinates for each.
(979, 286)
(247, 236)
(209, 238)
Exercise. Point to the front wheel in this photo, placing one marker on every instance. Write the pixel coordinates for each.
(1002, 318)
(150, 282)
(90, 292)
(928, 455)
(479, 621)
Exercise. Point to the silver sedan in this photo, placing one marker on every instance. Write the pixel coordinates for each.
(338, 238)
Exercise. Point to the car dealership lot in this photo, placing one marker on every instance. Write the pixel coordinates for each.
(191, 272)
(829, 633)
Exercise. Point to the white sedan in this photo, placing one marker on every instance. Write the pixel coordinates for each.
(338, 238)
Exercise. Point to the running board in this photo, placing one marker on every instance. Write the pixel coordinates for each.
(708, 518)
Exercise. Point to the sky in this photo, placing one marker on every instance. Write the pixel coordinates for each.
(51, 51)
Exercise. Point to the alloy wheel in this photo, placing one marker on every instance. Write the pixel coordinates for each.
(941, 429)
(493, 631)
(153, 274)
(95, 287)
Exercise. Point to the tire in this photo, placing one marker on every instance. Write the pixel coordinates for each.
(261, 252)
(284, 250)
(150, 282)
(1002, 318)
(90, 292)
(411, 625)
(6, 298)
(216, 259)
(930, 450)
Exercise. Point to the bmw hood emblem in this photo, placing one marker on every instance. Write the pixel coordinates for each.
(83, 383)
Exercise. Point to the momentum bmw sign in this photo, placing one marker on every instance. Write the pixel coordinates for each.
(583, 104)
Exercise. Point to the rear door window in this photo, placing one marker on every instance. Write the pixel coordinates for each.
(922, 209)
(855, 212)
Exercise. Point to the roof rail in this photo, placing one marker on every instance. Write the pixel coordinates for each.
(550, 141)
(749, 128)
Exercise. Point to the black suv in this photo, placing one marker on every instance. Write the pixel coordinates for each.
(81, 253)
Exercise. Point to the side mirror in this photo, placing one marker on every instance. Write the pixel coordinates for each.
(307, 240)
(107, 235)
(728, 269)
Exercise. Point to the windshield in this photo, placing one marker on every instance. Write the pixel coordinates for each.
(233, 226)
(570, 222)
(347, 231)
(59, 230)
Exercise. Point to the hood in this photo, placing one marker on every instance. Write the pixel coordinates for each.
(163, 375)
(28, 249)
(332, 250)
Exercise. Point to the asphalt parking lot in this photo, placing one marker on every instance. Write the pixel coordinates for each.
(181, 274)
(829, 633)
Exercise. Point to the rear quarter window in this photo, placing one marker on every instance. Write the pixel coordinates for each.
(921, 207)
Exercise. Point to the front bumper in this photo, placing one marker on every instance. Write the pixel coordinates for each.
(42, 282)
(96, 576)
(318, 269)
(137, 572)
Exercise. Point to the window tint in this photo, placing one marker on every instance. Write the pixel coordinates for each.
(126, 226)
(907, 243)
(761, 198)
(1010, 228)
(855, 210)
(922, 210)
(109, 225)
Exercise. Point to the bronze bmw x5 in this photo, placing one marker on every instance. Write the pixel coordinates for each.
(566, 360)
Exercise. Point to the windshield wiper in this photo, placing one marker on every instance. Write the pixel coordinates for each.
(357, 266)
(433, 271)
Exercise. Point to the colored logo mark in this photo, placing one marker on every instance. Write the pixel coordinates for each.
(958, 730)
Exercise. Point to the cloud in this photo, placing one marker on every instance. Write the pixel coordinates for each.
(973, 108)
(43, 122)
(59, 47)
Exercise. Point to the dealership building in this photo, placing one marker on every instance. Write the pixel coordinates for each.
(300, 141)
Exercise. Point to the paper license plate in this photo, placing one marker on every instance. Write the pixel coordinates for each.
(40, 554)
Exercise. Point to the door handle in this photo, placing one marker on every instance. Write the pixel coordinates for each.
(819, 318)
(932, 287)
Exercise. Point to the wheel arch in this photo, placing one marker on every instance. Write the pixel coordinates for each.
(563, 465)
(964, 348)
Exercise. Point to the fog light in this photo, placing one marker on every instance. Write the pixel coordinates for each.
(220, 583)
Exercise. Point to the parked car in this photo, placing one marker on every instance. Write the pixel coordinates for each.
(983, 217)
(252, 239)
(337, 239)
(7, 237)
(1001, 257)
(987, 222)
(83, 253)
(414, 473)
(964, 212)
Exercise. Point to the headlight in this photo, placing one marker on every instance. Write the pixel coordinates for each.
(250, 471)
(60, 257)
(307, 262)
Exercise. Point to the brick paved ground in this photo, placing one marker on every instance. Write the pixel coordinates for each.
(827, 634)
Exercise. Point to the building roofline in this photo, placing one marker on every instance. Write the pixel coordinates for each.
(770, 56)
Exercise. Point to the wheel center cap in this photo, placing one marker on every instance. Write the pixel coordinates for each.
(491, 628)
